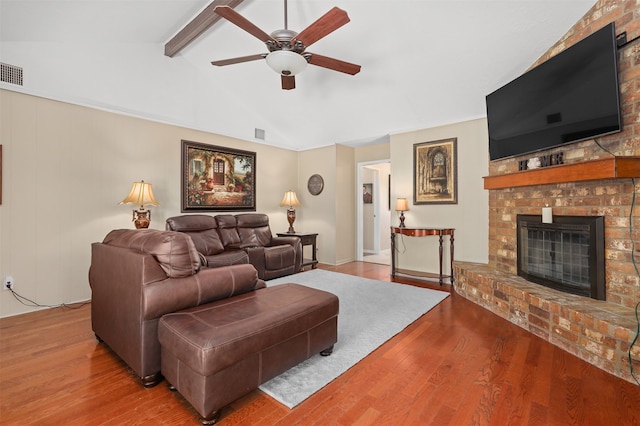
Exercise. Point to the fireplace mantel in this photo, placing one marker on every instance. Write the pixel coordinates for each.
(605, 168)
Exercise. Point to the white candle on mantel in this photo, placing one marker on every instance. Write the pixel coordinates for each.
(547, 215)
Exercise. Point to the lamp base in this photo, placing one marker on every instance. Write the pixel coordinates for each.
(291, 217)
(142, 218)
(401, 220)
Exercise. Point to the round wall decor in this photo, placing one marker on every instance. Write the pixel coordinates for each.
(315, 185)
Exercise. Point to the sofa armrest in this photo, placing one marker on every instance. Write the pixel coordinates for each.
(256, 258)
(208, 285)
(278, 241)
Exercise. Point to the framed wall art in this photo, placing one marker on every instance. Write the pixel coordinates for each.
(435, 172)
(367, 193)
(216, 179)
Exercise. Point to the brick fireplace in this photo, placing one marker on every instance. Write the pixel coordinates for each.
(599, 178)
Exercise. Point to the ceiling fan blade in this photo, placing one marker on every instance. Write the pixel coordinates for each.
(326, 24)
(238, 60)
(235, 18)
(333, 64)
(288, 82)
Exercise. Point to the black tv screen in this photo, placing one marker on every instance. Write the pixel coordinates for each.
(572, 96)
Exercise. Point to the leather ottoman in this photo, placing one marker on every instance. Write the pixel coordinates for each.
(215, 353)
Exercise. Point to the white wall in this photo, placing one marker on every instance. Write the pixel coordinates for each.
(469, 216)
(378, 174)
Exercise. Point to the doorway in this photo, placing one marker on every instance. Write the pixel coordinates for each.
(373, 212)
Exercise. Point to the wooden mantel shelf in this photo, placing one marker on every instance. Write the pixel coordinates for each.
(605, 168)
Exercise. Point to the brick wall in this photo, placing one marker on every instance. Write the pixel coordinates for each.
(598, 332)
(609, 198)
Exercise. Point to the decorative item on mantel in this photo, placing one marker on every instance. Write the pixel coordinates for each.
(547, 214)
(533, 163)
(141, 194)
(290, 199)
(402, 205)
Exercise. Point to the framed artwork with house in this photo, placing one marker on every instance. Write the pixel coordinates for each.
(217, 179)
(435, 172)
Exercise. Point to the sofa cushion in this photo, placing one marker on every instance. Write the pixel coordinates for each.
(202, 229)
(174, 251)
(254, 228)
(227, 229)
(279, 257)
(228, 257)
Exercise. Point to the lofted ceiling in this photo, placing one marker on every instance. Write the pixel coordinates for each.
(424, 63)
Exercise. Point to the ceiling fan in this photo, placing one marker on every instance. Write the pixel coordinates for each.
(287, 49)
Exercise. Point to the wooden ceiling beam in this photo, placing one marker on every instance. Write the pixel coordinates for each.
(197, 26)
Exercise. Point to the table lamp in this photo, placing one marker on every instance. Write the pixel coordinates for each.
(290, 199)
(141, 194)
(402, 205)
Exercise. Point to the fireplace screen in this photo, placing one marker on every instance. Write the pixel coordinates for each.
(567, 255)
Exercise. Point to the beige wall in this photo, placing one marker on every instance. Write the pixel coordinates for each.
(66, 168)
(345, 211)
(469, 216)
(331, 213)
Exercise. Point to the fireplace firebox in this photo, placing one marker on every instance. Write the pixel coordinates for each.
(567, 255)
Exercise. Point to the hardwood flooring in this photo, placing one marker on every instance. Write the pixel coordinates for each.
(456, 365)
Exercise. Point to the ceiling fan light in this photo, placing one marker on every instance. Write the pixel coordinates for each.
(286, 63)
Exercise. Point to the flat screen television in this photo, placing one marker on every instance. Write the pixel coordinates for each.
(570, 97)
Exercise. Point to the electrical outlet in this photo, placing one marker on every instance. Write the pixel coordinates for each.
(8, 282)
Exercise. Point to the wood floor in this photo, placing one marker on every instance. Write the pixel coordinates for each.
(457, 365)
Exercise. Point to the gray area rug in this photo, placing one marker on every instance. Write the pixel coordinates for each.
(371, 312)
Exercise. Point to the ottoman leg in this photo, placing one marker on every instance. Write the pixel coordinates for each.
(152, 379)
(212, 418)
(327, 351)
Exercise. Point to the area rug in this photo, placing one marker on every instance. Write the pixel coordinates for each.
(371, 312)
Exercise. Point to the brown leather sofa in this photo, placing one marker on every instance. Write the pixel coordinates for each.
(137, 276)
(214, 333)
(226, 239)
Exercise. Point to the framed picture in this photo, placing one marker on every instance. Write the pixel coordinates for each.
(367, 193)
(216, 178)
(435, 172)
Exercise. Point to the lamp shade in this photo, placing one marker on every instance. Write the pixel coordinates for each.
(290, 199)
(286, 62)
(141, 194)
(402, 205)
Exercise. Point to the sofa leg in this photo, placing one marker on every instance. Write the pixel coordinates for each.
(171, 387)
(99, 339)
(152, 379)
(212, 418)
(327, 351)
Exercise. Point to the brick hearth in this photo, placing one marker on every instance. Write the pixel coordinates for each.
(595, 331)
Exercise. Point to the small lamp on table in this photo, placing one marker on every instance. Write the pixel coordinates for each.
(141, 194)
(402, 205)
(290, 199)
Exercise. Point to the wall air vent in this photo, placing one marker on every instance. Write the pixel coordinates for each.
(10, 74)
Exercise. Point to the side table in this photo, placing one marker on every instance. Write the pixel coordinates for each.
(307, 239)
(422, 232)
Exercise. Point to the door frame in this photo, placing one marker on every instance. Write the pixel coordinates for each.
(360, 208)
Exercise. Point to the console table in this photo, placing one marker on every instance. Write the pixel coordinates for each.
(422, 232)
(306, 240)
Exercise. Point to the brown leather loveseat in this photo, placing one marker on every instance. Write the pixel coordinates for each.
(226, 239)
(214, 333)
(137, 276)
